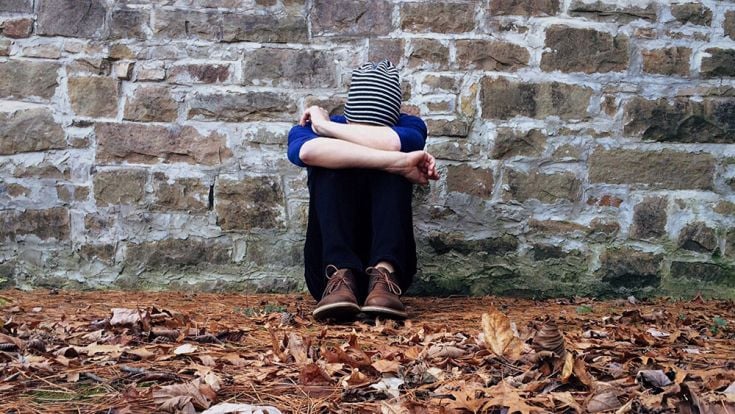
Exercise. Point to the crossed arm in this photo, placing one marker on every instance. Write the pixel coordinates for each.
(362, 146)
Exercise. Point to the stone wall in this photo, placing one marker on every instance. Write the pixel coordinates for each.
(586, 147)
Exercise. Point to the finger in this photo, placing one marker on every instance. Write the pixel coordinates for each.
(304, 117)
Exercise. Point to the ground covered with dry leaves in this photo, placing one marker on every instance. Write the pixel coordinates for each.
(131, 352)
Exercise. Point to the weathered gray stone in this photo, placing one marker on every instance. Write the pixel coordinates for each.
(693, 13)
(17, 28)
(439, 17)
(16, 6)
(29, 130)
(289, 67)
(199, 73)
(5, 47)
(556, 227)
(612, 12)
(94, 96)
(524, 7)
(454, 150)
(119, 187)
(139, 143)
(491, 55)
(391, 49)
(47, 224)
(126, 23)
(656, 169)
(152, 103)
(92, 252)
(649, 218)
(729, 24)
(443, 243)
(720, 63)
(730, 244)
(184, 24)
(465, 179)
(250, 106)
(448, 128)
(23, 79)
(73, 18)
(250, 203)
(351, 18)
(181, 194)
(630, 269)
(705, 272)
(546, 188)
(268, 28)
(682, 120)
(667, 61)
(176, 253)
(584, 50)
(441, 83)
(502, 98)
(510, 143)
(698, 237)
(428, 53)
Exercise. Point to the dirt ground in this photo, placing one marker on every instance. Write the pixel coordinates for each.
(138, 352)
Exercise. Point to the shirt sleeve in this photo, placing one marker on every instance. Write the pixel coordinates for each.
(297, 136)
(412, 132)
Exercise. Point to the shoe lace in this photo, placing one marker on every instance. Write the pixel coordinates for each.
(336, 278)
(383, 277)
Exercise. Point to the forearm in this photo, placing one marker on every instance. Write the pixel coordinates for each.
(377, 137)
(337, 153)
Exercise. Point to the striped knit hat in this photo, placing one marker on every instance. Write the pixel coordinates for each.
(375, 94)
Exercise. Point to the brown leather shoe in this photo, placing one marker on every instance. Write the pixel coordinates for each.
(338, 300)
(383, 298)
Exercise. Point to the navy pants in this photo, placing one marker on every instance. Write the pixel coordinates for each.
(357, 218)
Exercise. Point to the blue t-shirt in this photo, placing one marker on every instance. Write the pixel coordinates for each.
(411, 131)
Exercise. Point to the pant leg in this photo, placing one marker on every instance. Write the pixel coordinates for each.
(392, 224)
(338, 220)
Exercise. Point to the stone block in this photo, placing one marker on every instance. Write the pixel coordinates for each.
(510, 143)
(584, 50)
(72, 18)
(704, 272)
(729, 24)
(199, 73)
(454, 150)
(5, 47)
(14, 190)
(698, 237)
(123, 70)
(490, 55)
(649, 218)
(613, 12)
(683, 120)
(289, 67)
(128, 23)
(474, 181)
(120, 52)
(180, 194)
(16, 6)
(443, 243)
(52, 223)
(730, 244)
(23, 79)
(92, 252)
(503, 99)
(546, 188)
(440, 83)
(268, 28)
(448, 128)
(335, 105)
(667, 61)
(391, 49)
(176, 253)
(148, 144)
(630, 269)
(250, 203)
(242, 107)
(185, 24)
(524, 7)
(151, 71)
(428, 53)
(17, 28)
(663, 169)
(94, 96)
(556, 227)
(29, 130)
(151, 104)
(68, 193)
(439, 17)
(119, 187)
(720, 63)
(694, 13)
(351, 18)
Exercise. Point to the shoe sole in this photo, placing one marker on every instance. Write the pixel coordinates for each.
(339, 310)
(388, 312)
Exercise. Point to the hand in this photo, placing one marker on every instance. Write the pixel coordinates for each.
(418, 167)
(318, 116)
